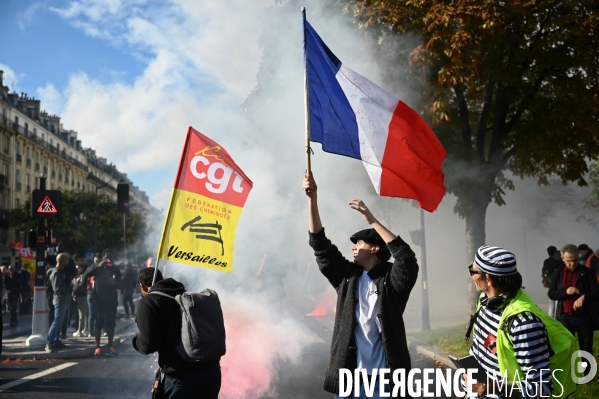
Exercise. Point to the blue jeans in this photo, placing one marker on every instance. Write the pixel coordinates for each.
(375, 392)
(91, 322)
(60, 311)
(203, 384)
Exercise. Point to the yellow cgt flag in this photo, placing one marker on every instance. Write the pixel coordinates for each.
(209, 194)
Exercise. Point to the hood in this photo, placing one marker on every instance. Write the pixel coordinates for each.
(169, 286)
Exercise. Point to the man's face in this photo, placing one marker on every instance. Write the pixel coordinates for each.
(571, 260)
(479, 281)
(150, 262)
(583, 252)
(363, 252)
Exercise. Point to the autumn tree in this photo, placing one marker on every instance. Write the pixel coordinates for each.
(507, 85)
(89, 222)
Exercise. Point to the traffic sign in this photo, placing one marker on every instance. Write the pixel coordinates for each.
(46, 204)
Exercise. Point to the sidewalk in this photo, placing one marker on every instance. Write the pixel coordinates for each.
(13, 339)
(430, 351)
(76, 347)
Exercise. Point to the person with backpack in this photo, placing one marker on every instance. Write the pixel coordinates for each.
(159, 322)
(61, 299)
(513, 337)
(100, 294)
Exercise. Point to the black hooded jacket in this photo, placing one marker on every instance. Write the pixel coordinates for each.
(159, 322)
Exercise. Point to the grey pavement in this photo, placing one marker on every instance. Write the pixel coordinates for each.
(13, 340)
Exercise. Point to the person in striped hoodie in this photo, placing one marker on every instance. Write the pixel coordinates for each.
(513, 335)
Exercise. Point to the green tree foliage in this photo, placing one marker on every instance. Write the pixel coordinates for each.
(82, 214)
(507, 85)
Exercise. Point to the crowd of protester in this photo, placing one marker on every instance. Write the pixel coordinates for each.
(16, 291)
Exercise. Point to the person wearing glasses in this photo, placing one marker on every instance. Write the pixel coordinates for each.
(372, 294)
(513, 335)
(575, 288)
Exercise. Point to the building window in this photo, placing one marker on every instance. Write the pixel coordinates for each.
(18, 148)
(26, 127)
(6, 144)
(17, 203)
(37, 183)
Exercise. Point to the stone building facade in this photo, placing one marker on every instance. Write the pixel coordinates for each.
(33, 143)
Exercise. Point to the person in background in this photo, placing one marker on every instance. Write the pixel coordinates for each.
(2, 310)
(25, 300)
(588, 258)
(80, 296)
(128, 284)
(577, 291)
(550, 266)
(12, 284)
(3, 297)
(61, 298)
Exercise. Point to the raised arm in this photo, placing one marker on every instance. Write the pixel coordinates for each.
(361, 207)
(310, 188)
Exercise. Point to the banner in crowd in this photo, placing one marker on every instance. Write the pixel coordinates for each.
(26, 255)
(209, 194)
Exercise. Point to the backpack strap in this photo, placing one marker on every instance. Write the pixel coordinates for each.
(161, 294)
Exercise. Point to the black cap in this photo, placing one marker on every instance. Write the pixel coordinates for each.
(370, 236)
(583, 247)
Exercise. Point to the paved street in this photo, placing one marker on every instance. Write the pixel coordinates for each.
(130, 375)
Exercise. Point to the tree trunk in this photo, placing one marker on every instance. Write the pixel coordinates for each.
(475, 237)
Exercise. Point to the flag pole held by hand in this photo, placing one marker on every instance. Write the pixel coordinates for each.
(306, 96)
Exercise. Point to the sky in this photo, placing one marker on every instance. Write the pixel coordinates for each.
(131, 76)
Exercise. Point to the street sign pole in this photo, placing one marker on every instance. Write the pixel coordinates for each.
(39, 327)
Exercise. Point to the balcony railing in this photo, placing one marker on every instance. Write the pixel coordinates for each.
(19, 157)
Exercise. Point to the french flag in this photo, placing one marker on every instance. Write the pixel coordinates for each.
(350, 115)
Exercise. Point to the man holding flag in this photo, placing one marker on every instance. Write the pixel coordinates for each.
(369, 333)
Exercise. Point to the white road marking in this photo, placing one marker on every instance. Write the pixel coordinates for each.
(35, 376)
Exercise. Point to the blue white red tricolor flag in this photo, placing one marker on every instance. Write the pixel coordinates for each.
(350, 115)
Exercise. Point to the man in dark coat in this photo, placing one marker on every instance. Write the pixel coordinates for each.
(575, 288)
(369, 332)
(159, 323)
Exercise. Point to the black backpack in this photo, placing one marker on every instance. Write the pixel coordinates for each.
(202, 326)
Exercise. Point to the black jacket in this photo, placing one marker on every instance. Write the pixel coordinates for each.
(586, 283)
(394, 282)
(159, 322)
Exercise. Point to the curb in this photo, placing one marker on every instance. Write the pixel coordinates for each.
(430, 351)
